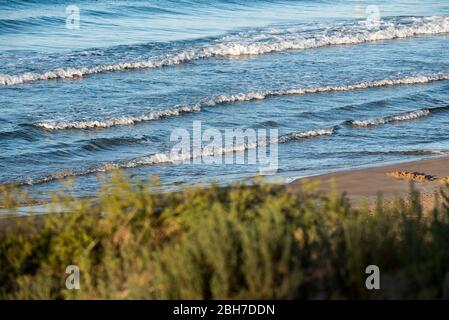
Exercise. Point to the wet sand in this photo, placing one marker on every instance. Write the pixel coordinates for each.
(357, 184)
(369, 182)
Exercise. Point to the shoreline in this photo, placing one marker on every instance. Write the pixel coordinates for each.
(369, 182)
(357, 183)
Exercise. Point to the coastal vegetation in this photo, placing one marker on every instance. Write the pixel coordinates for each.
(259, 241)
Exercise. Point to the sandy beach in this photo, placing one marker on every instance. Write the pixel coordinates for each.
(368, 183)
(357, 184)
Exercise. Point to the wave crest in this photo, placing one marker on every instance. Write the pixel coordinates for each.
(306, 134)
(395, 118)
(233, 98)
(161, 158)
(254, 45)
(119, 121)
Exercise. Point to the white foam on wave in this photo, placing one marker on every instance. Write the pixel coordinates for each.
(118, 121)
(161, 158)
(306, 134)
(233, 98)
(211, 152)
(254, 46)
(395, 118)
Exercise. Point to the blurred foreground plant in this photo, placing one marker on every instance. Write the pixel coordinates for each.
(261, 241)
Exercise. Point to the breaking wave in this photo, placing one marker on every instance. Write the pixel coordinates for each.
(395, 118)
(161, 158)
(306, 134)
(256, 44)
(226, 99)
(119, 121)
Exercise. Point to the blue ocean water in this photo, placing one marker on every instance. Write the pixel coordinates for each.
(350, 83)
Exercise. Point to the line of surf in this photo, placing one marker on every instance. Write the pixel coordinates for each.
(253, 45)
(232, 98)
(162, 158)
(407, 116)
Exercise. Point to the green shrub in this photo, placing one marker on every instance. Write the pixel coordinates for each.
(239, 242)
